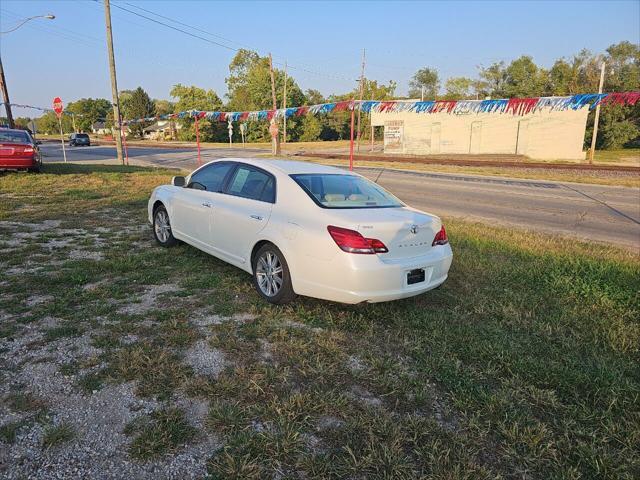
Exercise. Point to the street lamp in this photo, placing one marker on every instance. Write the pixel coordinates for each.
(3, 83)
(48, 17)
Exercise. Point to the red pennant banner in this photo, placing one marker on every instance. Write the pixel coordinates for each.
(521, 106)
(444, 105)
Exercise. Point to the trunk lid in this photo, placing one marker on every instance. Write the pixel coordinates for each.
(16, 150)
(406, 232)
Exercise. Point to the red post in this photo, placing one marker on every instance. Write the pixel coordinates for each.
(198, 140)
(123, 135)
(351, 143)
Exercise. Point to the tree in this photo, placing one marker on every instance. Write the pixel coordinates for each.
(458, 88)
(623, 66)
(249, 88)
(313, 97)
(137, 104)
(492, 80)
(426, 78)
(48, 123)
(523, 78)
(196, 98)
(163, 107)
(88, 111)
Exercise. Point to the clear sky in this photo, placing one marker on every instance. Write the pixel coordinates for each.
(67, 56)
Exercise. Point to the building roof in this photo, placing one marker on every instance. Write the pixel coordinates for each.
(156, 127)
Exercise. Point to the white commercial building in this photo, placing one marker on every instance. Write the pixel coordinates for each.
(543, 134)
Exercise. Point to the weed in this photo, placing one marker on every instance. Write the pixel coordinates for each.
(56, 435)
(162, 432)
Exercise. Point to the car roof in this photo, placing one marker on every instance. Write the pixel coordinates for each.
(15, 130)
(287, 167)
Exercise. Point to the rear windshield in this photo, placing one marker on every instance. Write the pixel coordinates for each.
(345, 191)
(10, 136)
(82, 135)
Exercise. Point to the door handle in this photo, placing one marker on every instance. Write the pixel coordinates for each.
(256, 217)
(206, 204)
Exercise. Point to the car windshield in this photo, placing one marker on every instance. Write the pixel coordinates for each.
(345, 191)
(10, 136)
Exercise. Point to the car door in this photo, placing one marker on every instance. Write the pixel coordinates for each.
(242, 212)
(193, 206)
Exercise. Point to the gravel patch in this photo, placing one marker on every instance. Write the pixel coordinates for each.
(147, 301)
(204, 321)
(327, 422)
(365, 396)
(34, 300)
(204, 359)
(355, 364)
(85, 255)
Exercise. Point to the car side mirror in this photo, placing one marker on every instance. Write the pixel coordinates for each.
(178, 181)
(38, 142)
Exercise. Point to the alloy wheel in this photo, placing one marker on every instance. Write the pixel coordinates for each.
(269, 273)
(162, 226)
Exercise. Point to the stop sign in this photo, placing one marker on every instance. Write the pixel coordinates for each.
(58, 106)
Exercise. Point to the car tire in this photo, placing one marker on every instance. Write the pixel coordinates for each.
(162, 228)
(271, 277)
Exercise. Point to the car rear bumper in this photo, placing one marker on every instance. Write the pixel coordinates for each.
(8, 163)
(350, 278)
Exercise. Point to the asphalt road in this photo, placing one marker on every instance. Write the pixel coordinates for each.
(588, 212)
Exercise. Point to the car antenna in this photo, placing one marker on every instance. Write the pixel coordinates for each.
(379, 175)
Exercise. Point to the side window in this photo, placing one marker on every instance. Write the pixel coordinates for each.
(210, 178)
(252, 183)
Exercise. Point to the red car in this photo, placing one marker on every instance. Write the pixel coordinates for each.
(18, 151)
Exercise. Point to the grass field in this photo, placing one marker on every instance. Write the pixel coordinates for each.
(523, 365)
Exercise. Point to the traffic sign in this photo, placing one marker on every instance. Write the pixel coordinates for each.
(273, 128)
(58, 106)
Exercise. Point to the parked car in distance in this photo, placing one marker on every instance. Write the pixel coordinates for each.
(18, 151)
(304, 229)
(79, 139)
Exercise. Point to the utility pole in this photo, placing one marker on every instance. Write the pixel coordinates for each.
(597, 118)
(422, 93)
(276, 139)
(284, 105)
(361, 93)
(73, 120)
(5, 97)
(114, 83)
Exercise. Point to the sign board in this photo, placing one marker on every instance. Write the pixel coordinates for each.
(394, 136)
(273, 128)
(58, 107)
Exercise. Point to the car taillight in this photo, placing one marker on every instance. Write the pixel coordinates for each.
(441, 238)
(353, 242)
(28, 149)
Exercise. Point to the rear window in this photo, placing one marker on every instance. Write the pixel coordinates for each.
(82, 135)
(10, 136)
(345, 191)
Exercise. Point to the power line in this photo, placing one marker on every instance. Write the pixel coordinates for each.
(176, 28)
(187, 25)
(313, 72)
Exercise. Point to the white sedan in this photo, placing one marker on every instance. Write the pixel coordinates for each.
(304, 229)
